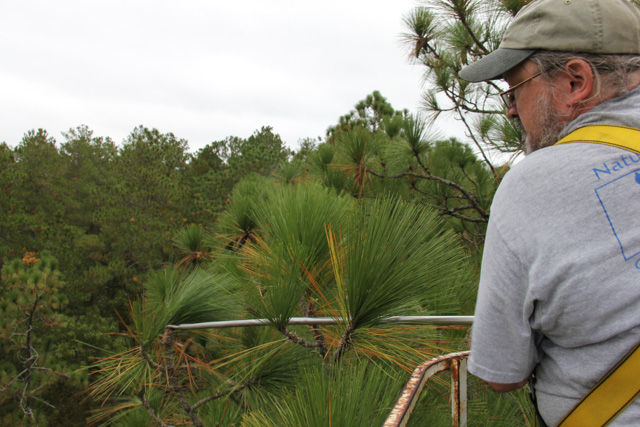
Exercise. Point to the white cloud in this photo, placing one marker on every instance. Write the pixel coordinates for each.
(201, 69)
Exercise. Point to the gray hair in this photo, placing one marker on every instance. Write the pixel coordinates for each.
(611, 72)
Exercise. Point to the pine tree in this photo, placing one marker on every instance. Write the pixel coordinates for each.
(31, 301)
(446, 35)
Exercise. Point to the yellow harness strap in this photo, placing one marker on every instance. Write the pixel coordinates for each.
(621, 385)
(615, 136)
(607, 399)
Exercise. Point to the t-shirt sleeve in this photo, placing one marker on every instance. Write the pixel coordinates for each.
(502, 342)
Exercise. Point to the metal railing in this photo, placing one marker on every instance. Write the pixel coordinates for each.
(399, 415)
(406, 320)
(454, 362)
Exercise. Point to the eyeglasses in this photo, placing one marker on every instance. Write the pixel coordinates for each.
(509, 95)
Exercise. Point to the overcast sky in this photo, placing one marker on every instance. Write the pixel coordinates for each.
(203, 70)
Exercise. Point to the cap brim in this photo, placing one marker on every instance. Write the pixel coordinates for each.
(494, 65)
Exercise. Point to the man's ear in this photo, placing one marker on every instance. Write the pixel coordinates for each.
(577, 81)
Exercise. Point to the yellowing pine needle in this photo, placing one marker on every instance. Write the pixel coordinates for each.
(232, 358)
(337, 271)
(316, 286)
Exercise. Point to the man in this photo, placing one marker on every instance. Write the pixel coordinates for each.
(560, 282)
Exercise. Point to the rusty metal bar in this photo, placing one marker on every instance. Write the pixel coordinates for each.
(457, 364)
(455, 392)
(436, 320)
(463, 392)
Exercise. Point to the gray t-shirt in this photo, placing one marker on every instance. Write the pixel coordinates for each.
(560, 280)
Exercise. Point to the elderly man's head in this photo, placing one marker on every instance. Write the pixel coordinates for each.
(561, 58)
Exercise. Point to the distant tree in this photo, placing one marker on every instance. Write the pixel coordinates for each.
(399, 154)
(32, 199)
(31, 300)
(219, 166)
(140, 212)
(205, 160)
(305, 147)
(89, 166)
(373, 113)
(9, 202)
(50, 199)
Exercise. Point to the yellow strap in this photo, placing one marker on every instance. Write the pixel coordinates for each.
(615, 391)
(621, 385)
(615, 136)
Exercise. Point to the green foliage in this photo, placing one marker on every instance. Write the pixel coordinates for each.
(229, 161)
(406, 159)
(31, 287)
(311, 253)
(192, 245)
(373, 113)
(318, 254)
(237, 225)
(446, 35)
(485, 407)
(397, 259)
(323, 169)
(110, 215)
(139, 373)
(31, 300)
(289, 172)
(373, 222)
(293, 225)
(174, 297)
(358, 395)
(31, 203)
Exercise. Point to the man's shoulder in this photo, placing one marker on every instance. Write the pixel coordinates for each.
(536, 170)
(557, 174)
(560, 161)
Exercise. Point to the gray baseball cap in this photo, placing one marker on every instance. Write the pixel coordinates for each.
(585, 26)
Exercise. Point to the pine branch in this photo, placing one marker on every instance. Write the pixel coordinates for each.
(53, 371)
(484, 156)
(201, 402)
(453, 213)
(31, 358)
(14, 379)
(43, 401)
(150, 411)
(294, 338)
(309, 310)
(460, 13)
(147, 359)
(345, 343)
(427, 175)
(168, 340)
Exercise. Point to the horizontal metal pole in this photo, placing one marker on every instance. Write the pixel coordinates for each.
(407, 320)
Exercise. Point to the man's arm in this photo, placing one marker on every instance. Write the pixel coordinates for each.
(504, 388)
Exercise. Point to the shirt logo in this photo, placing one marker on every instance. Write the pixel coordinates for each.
(614, 197)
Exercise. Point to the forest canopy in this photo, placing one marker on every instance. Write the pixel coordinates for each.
(97, 238)
(105, 246)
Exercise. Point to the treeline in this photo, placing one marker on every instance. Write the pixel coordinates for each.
(107, 215)
(103, 245)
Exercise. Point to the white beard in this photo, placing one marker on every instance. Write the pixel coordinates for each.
(549, 124)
